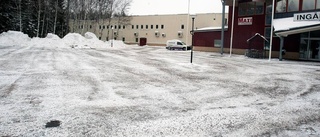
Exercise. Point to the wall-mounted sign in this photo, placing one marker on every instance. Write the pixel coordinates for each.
(310, 16)
(245, 21)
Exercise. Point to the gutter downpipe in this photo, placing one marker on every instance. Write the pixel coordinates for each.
(231, 38)
(271, 33)
(223, 22)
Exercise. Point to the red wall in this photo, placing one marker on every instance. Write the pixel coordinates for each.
(243, 32)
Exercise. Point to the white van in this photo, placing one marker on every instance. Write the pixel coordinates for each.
(177, 44)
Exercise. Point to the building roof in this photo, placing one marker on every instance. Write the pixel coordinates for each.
(287, 26)
(209, 29)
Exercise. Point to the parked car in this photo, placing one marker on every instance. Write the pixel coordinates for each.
(177, 44)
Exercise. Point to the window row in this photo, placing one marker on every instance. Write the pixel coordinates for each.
(147, 26)
(296, 5)
(112, 27)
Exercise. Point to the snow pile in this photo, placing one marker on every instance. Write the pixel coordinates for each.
(75, 40)
(51, 40)
(13, 38)
(93, 41)
(71, 40)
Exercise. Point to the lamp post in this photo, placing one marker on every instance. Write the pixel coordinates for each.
(112, 36)
(192, 33)
(222, 25)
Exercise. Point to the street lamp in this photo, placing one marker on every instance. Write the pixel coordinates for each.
(192, 33)
(112, 36)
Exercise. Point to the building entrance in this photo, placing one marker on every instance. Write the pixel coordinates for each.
(310, 46)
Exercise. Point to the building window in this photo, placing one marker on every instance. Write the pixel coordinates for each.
(182, 26)
(132, 26)
(115, 26)
(108, 26)
(123, 39)
(151, 26)
(137, 40)
(162, 26)
(281, 6)
(259, 8)
(308, 4)
(124, 27)
(90, 26)
(119, 26)
(137, 26)
(147, 26)
(217, 43)
(251, 8)
(99, 38)
(293, 5)
(141, 26)
(103, 27)
(99, 26)
(157, 26)
(111, 27)
(107, 38)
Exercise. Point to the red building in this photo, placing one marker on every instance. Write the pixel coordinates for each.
(296, 25)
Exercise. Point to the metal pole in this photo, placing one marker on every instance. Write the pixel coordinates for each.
(187, 37)
(192, 33)
(112, 37)
(271, 33)
(222, 30)
(231, 38)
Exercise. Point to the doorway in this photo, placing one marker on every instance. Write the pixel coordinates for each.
(310, 49)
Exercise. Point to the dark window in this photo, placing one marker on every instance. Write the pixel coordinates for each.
(157, 26)
(137, 40)
(132, 26)
(147, 26)
(119, 26)
(182, 26)
(137, 26)
(151, 26)
(123, 39)
(115, 26)
(141, 26)
(90, 26)
(124, 27)
(99, 38)
(111, 27)
(99, 26)
(251, 8)
(108, 26)
(162, 26)
(107, 38)
(103, 27)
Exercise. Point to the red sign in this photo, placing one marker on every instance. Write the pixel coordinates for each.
(245, 21)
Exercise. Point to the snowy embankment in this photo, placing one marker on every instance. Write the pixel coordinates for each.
(71, 40)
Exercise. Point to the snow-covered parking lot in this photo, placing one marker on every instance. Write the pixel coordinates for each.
(151, 91)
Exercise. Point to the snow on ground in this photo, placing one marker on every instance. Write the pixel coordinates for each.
(151, 91)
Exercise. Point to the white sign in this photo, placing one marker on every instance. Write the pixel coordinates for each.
(245, 21)
(311, 16)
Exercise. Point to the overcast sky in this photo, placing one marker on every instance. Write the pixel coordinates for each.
(152, 7)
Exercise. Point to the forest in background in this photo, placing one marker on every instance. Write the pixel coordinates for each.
(37, 18)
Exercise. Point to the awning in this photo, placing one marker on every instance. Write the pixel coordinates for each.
(287, 26)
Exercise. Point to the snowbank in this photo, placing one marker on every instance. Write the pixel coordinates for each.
(13, 38)
(71, 40)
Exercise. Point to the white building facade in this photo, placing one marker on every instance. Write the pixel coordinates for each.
(156, 29)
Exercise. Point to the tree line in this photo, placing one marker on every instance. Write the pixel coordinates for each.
(37, 18)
